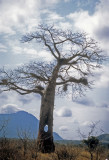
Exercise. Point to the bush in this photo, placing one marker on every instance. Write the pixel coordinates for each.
(67, 152)
(12, 149)
(7, 151)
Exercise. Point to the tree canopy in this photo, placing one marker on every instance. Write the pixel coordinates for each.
(76, 54)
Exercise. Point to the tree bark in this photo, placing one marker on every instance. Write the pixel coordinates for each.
(91, 156)
(45, 142)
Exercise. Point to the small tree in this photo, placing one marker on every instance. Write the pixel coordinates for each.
(24, 136)
(4, 142)
(92, 144)
(3, 127)
(75, 56)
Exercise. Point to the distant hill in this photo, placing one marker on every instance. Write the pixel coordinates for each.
(20, 122)
(104, 138)
(69, 142)
(57, 137)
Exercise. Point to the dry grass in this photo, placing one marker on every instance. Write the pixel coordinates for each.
(14, 150)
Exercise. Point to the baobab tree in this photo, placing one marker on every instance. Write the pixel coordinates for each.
(75, 56)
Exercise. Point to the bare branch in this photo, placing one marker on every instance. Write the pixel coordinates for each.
(74, 80)
(76, 56)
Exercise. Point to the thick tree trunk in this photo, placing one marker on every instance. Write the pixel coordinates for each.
(45, 137)
(45, 142)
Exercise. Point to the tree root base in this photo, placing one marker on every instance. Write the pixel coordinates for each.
(45, 145)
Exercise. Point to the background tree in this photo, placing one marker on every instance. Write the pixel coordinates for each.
(75, 56)
(3, 127)
(91, 141)
(24, 136)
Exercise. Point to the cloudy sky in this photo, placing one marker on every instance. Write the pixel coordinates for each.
(23, 16)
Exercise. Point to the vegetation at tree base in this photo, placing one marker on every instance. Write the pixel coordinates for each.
(13, 149)
(25, 148)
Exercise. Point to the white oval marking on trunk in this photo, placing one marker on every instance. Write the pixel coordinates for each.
(46, 128)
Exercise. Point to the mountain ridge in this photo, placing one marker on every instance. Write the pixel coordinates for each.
(20, 122)
(104, 138)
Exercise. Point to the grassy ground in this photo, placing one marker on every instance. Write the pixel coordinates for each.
(26, 150)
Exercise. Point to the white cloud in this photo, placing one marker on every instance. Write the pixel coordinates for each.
(66, 1)
(95, 24)
(26, 102)
(46, 55)
(3, 48)
(103, 76)
(83, 117)
(51, 17)
(19, 50)
(32, 52)
(86, 123)
(49, 2)
(85, 101)
(22, 15)
(63, 128)
(18, 15)
(54, 16)
(65, 25)
(83, 21)
(64, 112)
(9, 108)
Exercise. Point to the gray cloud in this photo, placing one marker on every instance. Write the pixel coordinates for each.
(3, 96)
(103, 33)
(63, 128)
(85, 101)
(104, 105)
(64, 112)
(25, 100)
(28, 98)
(105, 126)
